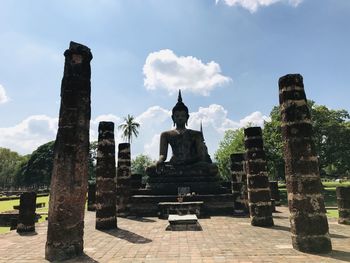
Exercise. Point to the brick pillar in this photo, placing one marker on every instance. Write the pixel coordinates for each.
(26, 217)
(309, 225)
(259, 195)
(71, 155)
(275, 194)
(238, 181)
(105, 178)
(343, 200)
(123, 179)
(91, 203)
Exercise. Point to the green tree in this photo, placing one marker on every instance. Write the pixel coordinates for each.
(92, 161)
(331, 136)
(139, 165)
(233, 142)
(9, 164)
(332, 140)
(129, 128)
(273, 145)
(38, 169)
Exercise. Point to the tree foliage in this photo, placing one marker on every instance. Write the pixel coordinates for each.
(139, 165)
(331, 136)
(233, 142)
(9, 164)
(129, 128)
(273, 145)
(38, 169)
(92, 161)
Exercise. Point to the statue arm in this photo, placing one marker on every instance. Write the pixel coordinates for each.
(163, 148)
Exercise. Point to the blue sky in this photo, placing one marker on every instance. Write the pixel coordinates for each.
(225, 55)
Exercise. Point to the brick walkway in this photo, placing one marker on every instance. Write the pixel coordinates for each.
(223, 239)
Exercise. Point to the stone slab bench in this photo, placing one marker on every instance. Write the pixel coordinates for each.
(166, 209)
(38, 205)
(183, 223)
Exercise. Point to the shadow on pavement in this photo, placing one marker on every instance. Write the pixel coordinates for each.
(27, 234)
(83, 258)
(141, 219)
(337, 236)
(283, 228)
(337, 254)
(128, 236)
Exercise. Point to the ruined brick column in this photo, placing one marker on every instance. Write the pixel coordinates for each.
(275, 194)
(123, 179)
(238, 181)
(259, 195)
(106, 217)
(91, 203)
(70, 169)
(26, 217)
(309, 225)
(343, 200)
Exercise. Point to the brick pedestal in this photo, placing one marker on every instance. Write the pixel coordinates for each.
(259, 195)
(71, 154)
(309, 225)
(26, 216)
(343, 200)
(123, 179)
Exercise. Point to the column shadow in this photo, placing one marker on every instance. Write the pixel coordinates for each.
(141, 219)
(282, 228)
(127, 235)
(27, 234)
(337, 236)
(337, 254)
(82, 258)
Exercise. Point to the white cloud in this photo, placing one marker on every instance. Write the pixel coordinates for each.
(214, 119)
(105, 117)
(36, 130)
(254, 5)
(154, 112)
(254, 119)
(29, 134)
(165, 70)
(152, 148)
(3, 97)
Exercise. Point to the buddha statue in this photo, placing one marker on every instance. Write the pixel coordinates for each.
(190, 155)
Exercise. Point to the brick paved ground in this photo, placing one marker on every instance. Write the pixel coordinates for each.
(223, 239)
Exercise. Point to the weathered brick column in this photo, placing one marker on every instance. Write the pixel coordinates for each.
(26, 216)
(123, 179)
(106, 217)
(91, 203)
(70, 169)
(238, 181)
(309, 225)
(343, 200)
(259, 195)
(275, 194)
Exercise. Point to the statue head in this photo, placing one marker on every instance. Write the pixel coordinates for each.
(180, 111)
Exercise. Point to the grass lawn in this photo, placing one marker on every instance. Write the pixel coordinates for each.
(329, 193)
(8, 206)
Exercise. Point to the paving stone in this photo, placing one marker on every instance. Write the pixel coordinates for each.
(223, 239)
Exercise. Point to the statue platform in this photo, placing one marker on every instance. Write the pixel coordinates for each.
(145, 204)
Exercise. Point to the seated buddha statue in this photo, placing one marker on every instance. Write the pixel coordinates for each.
(190, 155)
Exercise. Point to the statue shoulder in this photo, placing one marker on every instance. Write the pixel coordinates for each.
(167, 133)
(195, 133)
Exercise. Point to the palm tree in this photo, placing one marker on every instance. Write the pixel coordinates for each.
(129, 128)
